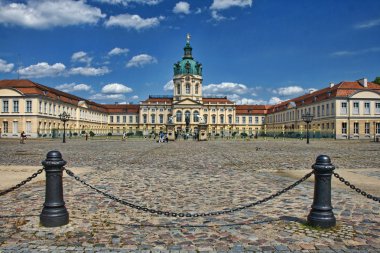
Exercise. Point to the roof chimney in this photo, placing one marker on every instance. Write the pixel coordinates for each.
(332, 85)
(363, 82)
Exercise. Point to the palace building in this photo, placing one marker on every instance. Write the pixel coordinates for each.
(347, 110)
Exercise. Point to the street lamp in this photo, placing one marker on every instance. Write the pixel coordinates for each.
(64, 117)
(307, 117)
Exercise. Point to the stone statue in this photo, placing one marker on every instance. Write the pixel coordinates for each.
(170, 120)
(201, 119)
(188, 38)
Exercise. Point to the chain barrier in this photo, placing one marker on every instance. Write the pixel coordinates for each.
(353, 187)
(180, 214)
(22, 182)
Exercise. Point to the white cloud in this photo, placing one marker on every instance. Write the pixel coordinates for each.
(70, 87)
(5, 67)
(225, 4)
(101, 96)
(133, 21)
(135, 97)
(182, 7)
(141, 60)
(357, 52)
(42, 14)
(169, 86)
(275, 100)
(43, 69)
(126, 2)
(368, 24)
(289, 91)
(225, 88)
(116, 88)
(89, 71)
(81, 57)
(216, 16)
(117, 51)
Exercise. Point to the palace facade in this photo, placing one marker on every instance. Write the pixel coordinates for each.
(347, 110)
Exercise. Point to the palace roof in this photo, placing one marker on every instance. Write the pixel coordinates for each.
(252, 109)
(342, 89)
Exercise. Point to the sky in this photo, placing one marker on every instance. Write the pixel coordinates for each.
(252, 51)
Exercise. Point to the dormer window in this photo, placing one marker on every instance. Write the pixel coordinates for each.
(45, 92)
(303, 102)
(315, 98)
(329, 93)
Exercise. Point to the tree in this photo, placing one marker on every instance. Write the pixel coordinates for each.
(377, 80)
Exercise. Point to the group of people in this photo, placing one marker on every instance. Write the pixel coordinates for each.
(162, 137)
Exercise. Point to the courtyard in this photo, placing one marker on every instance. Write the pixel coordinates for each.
(195, 177)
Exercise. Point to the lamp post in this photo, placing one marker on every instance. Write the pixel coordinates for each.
(307, 117)
(64, 117)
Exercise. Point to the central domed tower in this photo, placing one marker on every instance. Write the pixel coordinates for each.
(187, 78)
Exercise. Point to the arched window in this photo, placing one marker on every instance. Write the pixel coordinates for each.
(222, 119)
(205, 118)
(187, 88)
(230, 119)
(187, 114)
(178, 88)
(161, 119)
(195, 116)
(179, 116)
(196, 88)
(153, 118)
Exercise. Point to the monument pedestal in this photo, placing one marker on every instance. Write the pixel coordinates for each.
(202, 133)
(170, 131)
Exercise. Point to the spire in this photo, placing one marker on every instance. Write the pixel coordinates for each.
(187, 49)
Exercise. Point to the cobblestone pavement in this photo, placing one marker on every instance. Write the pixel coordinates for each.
(190, 176)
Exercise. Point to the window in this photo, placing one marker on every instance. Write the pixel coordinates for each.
(318, 111)
(15, 127)
(229, 119)
(222, 119)
(187, 88)
(178, 116)
(377, 128)
(195, 116)
(145, 118)
(5, 106)
(196, 88)
(250, 120)
(153, 118)
(323, 110)
(263, 120)
(15, 106)
(367, 108)
(28, 127)
(124, 119)
(54, 109)
(50, 108)
(327, 109)
(237, 120)
(243, 120)
(205, 118)
(187, 115)
(213, 117)
(40, 107)
(28, 106)
(118, 119)
(377, 108)
(256, 120)
(45, 107)
(5, 127)
(343, 108)
(161, 119)
(344, 127)
(178, 89)
(356, 127)
(130, 119)
(356, 108)
(111, 119)
(367, 127)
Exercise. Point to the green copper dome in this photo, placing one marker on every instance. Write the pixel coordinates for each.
(188, 65)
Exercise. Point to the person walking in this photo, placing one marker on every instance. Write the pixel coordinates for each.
(22, 137)
(124, 136)
(86, 136)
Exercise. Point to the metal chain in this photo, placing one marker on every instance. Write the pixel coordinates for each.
(353, 187)
(180, 214)
(22, 182)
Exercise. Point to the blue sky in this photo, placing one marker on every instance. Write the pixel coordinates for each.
(256, 52)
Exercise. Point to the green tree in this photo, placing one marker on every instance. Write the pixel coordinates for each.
(377, 80)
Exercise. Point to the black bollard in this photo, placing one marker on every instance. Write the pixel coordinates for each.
(321, 214)
(54, 213)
